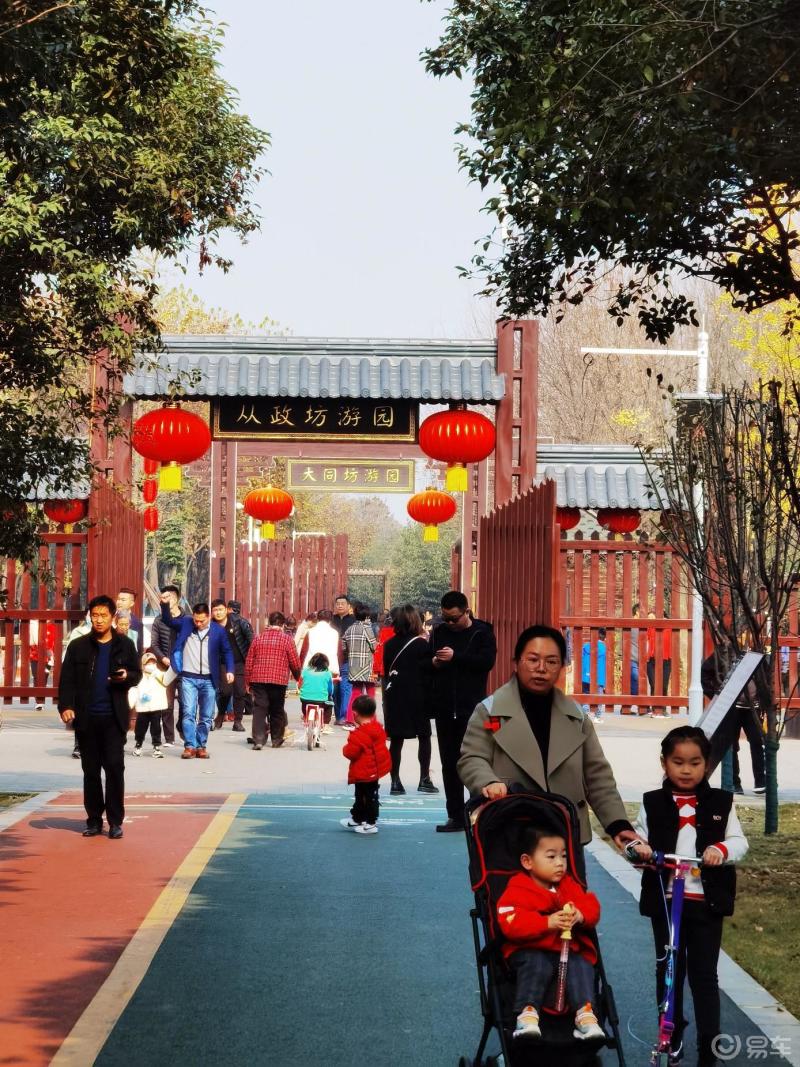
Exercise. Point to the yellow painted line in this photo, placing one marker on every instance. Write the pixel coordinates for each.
(87, 1037)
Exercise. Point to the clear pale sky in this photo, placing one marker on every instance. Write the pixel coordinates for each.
(365, 214)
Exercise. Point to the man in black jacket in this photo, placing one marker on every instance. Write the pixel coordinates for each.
(463, 652)
(97, 672)
(162, 642)
(240, 638)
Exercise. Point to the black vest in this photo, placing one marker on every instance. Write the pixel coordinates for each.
(711, 815)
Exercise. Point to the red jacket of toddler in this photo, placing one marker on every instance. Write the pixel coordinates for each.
(366, 749)
(524, 907)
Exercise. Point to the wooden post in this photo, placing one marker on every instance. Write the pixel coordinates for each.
(515, 451)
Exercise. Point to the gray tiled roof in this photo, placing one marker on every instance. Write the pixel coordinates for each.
(600, 476)
(426, 370)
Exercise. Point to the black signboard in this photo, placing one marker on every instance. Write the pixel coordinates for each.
(298, 419)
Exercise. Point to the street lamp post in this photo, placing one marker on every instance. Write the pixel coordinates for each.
(700, 354)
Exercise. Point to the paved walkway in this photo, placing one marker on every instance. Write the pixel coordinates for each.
(236, 922)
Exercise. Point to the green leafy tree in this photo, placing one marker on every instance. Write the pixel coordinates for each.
(421, 570)
(117, 134)
(660, 138)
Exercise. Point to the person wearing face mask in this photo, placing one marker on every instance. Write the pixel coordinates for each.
(149, 702)
(462, 652)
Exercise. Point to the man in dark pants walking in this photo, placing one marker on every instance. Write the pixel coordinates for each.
(270, 660)
(463, 652)
(97, 672)
(162, 642)
(240, 637)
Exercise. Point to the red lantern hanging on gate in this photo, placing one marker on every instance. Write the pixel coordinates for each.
(268, 506)
(66, 512)
(568, 518)
(619, 520)
(431, 508)
(171, 437)
(457, 437)
(149, 490)
(151, 519)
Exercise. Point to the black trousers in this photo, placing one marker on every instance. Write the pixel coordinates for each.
(727, 735)
(242, 700)
(697, 956)
(449, 735)
(168, 715)
(663, 689)
(145, 719)
(268, 705)
(102, 748)
(366, 806)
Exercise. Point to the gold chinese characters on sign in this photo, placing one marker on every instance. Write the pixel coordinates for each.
(350, 476)
(311, 419)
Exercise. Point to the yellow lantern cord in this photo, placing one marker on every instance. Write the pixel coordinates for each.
(268, 531)
(170, 479)
(456, 480)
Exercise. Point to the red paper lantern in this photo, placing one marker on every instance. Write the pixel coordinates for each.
(151, 519)
(66, 512)
(149, 490)
(171, 436)
(619, 520)
(457, 437)
(431, 508)
(568, 518)
(151, 467)
(268, 506)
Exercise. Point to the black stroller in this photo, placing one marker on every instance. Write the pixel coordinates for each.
(493, 830)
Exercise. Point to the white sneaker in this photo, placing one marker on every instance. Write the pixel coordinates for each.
(528, 1023)
(157, 753)
(137, 750)
(348, 824)
(586, 1024)
(366, 828)
(327, 728)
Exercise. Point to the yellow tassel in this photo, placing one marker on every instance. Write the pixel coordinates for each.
(431, 533)
(268, 531)
(170, 479)
(456, 480)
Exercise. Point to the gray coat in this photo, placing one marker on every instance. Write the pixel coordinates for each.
(576, 765)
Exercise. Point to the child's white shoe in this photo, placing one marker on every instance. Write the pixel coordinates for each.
(586, 1024)
(528, 1023)
(367, 828)
(348, 824)
(137, 750)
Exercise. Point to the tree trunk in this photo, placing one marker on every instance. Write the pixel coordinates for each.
(771, 747)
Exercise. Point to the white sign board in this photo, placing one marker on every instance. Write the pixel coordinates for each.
(738, 677)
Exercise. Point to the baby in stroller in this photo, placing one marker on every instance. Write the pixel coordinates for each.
(526, 865)
(539, 904)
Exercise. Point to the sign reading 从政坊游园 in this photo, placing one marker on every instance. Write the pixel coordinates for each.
(350, 475)
(311, 419)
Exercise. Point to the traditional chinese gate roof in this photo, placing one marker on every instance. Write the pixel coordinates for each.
(597, 476)
(429, 370)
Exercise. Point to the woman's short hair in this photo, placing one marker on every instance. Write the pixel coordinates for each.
(406, 621)
(361, 612)
(532, 632)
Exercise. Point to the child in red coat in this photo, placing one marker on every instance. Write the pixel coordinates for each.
(369, 762)
(532, 914)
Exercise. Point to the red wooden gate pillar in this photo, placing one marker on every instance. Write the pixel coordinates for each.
(515, 451)
(224, 462)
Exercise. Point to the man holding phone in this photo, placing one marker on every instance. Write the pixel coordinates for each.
(98, 670)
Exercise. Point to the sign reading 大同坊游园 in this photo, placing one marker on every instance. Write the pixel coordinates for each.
(350, 476)
(312, 419)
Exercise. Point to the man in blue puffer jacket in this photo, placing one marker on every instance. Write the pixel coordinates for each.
(202, 645)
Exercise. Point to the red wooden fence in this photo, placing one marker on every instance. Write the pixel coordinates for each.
(294, 577)
(116, 544)
(518, 580)
(39, 605)
(600, 581)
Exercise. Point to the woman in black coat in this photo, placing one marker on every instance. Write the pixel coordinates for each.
(405, 657)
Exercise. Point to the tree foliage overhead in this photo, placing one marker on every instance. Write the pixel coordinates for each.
(661, 137)
(116, 134)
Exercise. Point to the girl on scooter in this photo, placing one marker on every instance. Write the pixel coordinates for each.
(688, 817)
